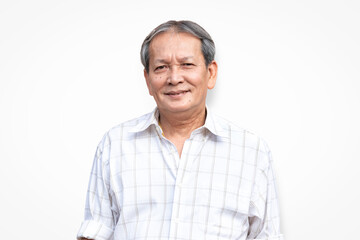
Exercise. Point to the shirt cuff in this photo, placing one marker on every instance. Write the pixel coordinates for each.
(94, 230)
(279, 237)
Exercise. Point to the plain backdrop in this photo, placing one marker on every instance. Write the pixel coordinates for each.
(70, 70)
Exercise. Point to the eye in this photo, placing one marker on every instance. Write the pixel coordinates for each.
(187, 65)
(159, 68)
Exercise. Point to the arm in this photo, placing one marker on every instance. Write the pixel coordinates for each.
(264, 222)
(100, 216)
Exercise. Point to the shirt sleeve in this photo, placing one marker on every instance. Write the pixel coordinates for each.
(264, 221)
(100, 214)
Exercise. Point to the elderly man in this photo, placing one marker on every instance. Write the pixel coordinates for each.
(180, 172)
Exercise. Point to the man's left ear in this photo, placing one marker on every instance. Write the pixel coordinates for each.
(212, 68)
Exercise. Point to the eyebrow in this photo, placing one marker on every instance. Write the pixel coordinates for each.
(165, 61)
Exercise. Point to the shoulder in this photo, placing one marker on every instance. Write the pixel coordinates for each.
(228, 129)
(126, 130)
(254, 146)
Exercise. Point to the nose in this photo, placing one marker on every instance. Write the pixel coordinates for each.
(175, 75)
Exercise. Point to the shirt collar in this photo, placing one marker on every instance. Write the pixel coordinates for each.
(146, 121)
(213, 123)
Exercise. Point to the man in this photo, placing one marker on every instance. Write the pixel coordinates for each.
(180, 172)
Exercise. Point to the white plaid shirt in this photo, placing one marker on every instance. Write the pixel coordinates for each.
(222, 187)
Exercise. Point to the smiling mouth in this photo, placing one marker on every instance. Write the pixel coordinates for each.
(176, 93)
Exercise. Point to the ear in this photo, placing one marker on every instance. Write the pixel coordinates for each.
(212, 71)
(147, 79)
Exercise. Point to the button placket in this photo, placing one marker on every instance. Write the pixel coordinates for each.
(176, 221)
(184, 164)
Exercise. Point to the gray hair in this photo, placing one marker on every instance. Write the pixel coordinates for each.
(207, 44)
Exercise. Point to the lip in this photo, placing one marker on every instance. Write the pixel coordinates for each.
(176, 93)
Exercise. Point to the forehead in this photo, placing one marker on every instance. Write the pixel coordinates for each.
(172, 43)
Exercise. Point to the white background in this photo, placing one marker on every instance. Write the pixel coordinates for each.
(70, 70)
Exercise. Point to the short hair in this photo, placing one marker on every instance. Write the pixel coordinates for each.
(207, 44)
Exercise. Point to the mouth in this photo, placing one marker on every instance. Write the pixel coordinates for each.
(177, 93)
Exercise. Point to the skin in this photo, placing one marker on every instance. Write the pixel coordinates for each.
(179, 79)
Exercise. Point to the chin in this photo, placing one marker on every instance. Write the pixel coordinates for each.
(177, 108)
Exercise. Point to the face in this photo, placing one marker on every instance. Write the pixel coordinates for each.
(178, 77)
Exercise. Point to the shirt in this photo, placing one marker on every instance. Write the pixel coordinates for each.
(222, 187)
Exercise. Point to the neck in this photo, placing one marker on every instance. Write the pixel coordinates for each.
(181, 125)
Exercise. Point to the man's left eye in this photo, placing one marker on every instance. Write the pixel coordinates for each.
(187, 64)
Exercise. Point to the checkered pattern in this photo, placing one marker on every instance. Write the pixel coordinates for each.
(222, 187)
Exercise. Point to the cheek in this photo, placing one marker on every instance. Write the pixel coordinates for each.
(198, 78)
(195, 80)
(157, 83)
